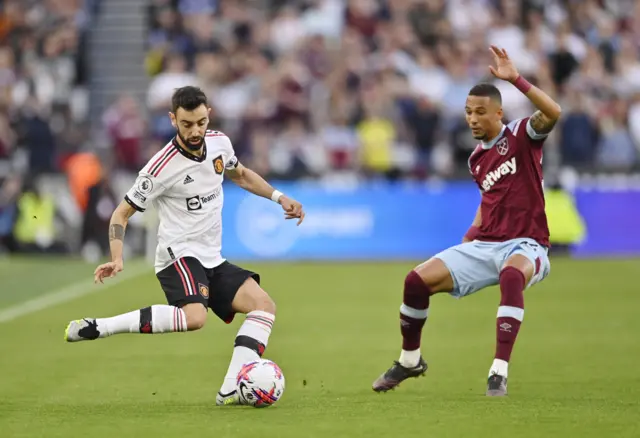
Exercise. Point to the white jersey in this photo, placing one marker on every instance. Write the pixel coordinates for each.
(187, 193)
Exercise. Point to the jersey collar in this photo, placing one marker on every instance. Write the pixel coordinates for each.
(489, 144)
(186, 154)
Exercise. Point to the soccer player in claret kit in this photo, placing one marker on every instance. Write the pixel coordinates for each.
(508, 240)
(184, 183)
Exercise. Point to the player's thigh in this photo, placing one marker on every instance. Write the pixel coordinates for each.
(470, 266)
(435, 274)
(517, 251)
(185, 285)
(236, 290)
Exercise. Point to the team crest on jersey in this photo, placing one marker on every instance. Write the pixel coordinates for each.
(218, 165)
(502, 146)
(204, 290)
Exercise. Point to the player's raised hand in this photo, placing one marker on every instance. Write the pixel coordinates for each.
(292, 209)
(504, 68)
(106, 270)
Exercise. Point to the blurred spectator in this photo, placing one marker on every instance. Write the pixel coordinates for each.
(35, 227)
(125, 128)
(101, 203)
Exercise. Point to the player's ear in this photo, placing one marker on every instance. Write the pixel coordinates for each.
(173, 120)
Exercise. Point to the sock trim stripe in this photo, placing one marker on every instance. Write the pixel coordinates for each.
(177, 319)
(262, 318)
(414, 313)
(264, 322)
(510, 312)
(185, 267)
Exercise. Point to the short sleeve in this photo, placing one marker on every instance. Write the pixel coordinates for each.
(533, 135)
(145, 189)
(522, 129)
(231, 161)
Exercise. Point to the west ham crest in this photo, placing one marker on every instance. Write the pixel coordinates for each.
(502, 146)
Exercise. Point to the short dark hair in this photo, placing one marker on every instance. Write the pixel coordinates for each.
(188, 98)
(486, 90)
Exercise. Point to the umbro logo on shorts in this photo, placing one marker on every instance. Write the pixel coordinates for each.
(188, 180)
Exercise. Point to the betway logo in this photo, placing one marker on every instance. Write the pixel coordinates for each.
(506, 168)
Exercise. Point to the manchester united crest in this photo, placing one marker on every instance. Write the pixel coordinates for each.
(502, 146)
(204, 290)
(218, 165)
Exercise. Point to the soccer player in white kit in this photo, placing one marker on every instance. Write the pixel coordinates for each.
(184, 183)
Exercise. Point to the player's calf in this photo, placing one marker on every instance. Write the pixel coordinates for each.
(513, 280)
(252, 338)
(196, 315)
(425, 280)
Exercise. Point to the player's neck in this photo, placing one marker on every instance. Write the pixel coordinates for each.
(197, 153)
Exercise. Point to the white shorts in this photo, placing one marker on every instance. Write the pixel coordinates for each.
(476, 265)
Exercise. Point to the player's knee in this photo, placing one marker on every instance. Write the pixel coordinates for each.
(252, 297)
(265, 304)
(435, 275)
(196, 315)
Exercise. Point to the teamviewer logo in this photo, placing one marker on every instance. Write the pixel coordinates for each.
(194, 203)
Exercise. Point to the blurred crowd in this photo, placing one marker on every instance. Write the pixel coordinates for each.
(43, 107)
(377, 87)
(311, 88)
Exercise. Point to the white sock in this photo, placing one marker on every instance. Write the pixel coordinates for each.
(499, 367)
(257, 326)
(409, 359)
(158, 318)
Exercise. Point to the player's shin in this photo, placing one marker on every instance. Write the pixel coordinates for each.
(413, 315)
(159, 318)
(250, 343)
(509, 318)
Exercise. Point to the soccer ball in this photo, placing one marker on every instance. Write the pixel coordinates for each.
(260, 383)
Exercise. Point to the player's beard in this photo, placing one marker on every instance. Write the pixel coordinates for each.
(193, 147)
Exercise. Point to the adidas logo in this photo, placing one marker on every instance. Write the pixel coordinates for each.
(188, 180)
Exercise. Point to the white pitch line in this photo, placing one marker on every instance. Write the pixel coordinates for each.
(71, 292)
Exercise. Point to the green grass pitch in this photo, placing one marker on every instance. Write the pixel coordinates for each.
(575, 370)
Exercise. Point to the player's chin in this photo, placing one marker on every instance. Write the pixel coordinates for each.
(478, 135)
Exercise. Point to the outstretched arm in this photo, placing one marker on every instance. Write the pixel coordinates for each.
(548, 113)
(254, 183)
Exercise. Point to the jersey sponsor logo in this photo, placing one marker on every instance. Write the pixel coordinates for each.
(218, 165)
(502, 146)
(145, 185)
(212, 196)
(194, 203)
(139, 196)
(506, 168)
(188, 180)
(204, 290)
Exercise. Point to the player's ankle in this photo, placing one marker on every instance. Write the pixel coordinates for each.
(499, 367)
(409, 359)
